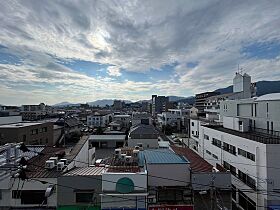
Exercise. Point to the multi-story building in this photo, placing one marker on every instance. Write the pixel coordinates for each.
(246, 145)
(141, 118)
(125, 119)
(159, 104)
(33, 112)
(118, 105)
(99, 120)
(200, 100)
(32, 133)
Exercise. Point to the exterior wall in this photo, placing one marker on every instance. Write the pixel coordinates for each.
(10, 119)
(99, 120)
(258, 170)
(147, 143)
(113, 199)
(168, 118)
(254, 110)
(34, 185)
(67, 196)
(24, 134)
(124, 119)
(182, 174)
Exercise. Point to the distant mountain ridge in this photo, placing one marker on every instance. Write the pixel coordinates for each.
(263, 87)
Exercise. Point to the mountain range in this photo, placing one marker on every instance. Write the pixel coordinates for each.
(263, 87)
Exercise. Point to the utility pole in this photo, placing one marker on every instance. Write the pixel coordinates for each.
(212, 194)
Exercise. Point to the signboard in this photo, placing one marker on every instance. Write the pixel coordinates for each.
(171, 207)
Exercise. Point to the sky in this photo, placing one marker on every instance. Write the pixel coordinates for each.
(82, 51)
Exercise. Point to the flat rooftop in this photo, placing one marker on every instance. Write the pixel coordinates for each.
(107, 137)
(264, 138)
(21, 124)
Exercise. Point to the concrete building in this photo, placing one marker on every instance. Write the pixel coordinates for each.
(146, 135)
(118, 105)
(159, 104)
(86, 184)
(141, 118)
(124, 184)
(247, 146)
(99, 120)
(200, 100)
(107, 141)
(33, 112)
(28, 132)
(125, 119)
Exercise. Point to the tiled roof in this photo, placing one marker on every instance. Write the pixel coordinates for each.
(143, 129)
(86, 171)
(162, 156)
(197, 163)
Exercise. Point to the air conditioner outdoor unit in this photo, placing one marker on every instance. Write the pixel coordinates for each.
(128, 159)
(64, 160)
(135, 153)
(136, 147)
(118, 153)
(49, 164)
(55, 159)
(123, 156)
(60, 166)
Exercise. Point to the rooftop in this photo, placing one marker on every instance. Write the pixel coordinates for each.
(107, 137)
(264, 138)
(21, 124)
(122, 115)
(86, 171)
(36, 164)
(197, 163)
(269, 97)
(162, 156)
(143, 129)
(77, 147)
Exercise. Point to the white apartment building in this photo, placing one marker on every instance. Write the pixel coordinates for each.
(124, 118)
(99, 120)
(248, 145)
(173, 117)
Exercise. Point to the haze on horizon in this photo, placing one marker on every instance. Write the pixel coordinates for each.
(81, 51)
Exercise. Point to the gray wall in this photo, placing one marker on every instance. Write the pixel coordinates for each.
(67, 196)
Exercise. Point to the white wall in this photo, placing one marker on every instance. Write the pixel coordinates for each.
(178, 172)
(147, 143)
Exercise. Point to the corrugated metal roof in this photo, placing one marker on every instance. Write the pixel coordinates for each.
(86, 171)
(162, 156)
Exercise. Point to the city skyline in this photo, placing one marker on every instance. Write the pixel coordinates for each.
(82, 51)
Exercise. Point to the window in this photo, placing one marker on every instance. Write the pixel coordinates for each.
(16, 194)
(206, 137)
(192, 132)
(1, 135)
(0, 194)
(217, 142)
(229, 167)
(208, 152)
(33, 197)
(84, 197)
(192, 123)
(247, 179)
(170, 195)
(246, 154)
(45, 129)
(215, 156)
(245, 202)
(229, 148)
(252, 111)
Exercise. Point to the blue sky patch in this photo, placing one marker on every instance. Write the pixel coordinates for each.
(192, 64)
(87, 67)
(8, 58)
(262, 50)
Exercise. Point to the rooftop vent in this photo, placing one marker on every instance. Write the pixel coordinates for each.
(49, 164)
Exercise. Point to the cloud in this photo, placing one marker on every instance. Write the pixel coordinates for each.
(114, 71)
(205, 39)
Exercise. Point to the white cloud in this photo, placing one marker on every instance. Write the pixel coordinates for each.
(114, 71)
(135, 36)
